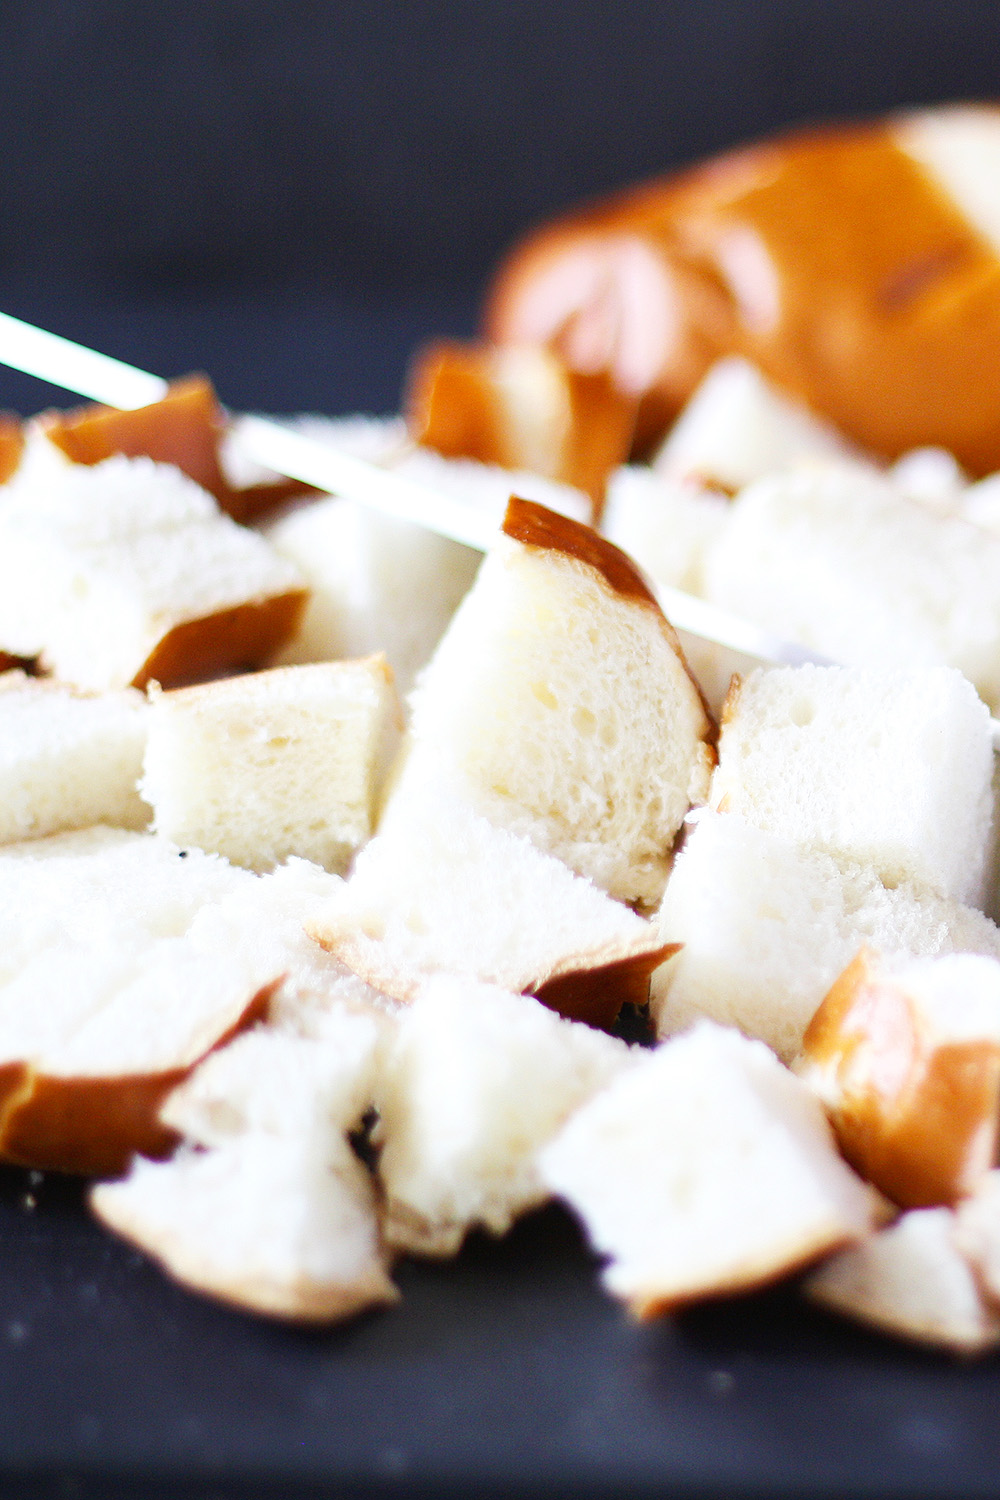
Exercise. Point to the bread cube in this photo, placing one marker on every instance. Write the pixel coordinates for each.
(476, 1081)
(705, 1168)
(906, 1059)
(376, 584)
(885, 768)
(68, 759)
(271, 764)
(127, 572)
(439, 889)
(766, 927)
(560, 706)
(845, 564)
(911, 1280)
(738, 427)
(276, 1225)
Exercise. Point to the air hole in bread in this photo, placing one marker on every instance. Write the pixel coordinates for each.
(802, 712)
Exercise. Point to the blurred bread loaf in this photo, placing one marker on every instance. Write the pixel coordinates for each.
(822, 256)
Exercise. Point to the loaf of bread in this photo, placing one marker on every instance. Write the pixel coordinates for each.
(705, 1168)
(271, 764)
(858, 267)
(890, 769)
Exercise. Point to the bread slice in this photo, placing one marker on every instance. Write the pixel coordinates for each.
(879, 767)
(441, 890)
(521, 408)
(126, 572)
(476, 1081)
(665, 524)
(766, 927)
(559, 704)
(804, 554)
(375, 584)
(705, 1169)
(68, 759)
(738, 426)
(910, 1280)
(906, 1059)
(271, 764)
(273, 1225)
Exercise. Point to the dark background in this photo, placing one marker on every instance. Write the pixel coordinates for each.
(296, 163)
(291, 195)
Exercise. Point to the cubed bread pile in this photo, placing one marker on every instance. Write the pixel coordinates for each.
(331, 854)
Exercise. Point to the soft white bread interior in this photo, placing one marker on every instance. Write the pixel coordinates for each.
(886, 768)
(476, 1081)
(68, 759)
(270, 1079)
(109, 889)
(126, 571)
(737, 427)
(281, 1226)
(706, 1168)
(666, 524)
(766, 927)
(977, 1233)
(559, 704)
(804, 554)
(439, 889)
(912, 1281)
(266, 1205)
(906, 1059)
(376, 584)
(274, 763)
(271, 913)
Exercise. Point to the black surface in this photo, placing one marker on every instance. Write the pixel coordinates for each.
(507, 1373)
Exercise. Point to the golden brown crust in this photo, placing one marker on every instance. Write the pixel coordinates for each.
(11, 445)
(829, 257)
(231, 640)
(752, 1276)
(597, 995)
(535, 525)
(921, 1123)
(184, 429)
(95, 1125)
(455, 403)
